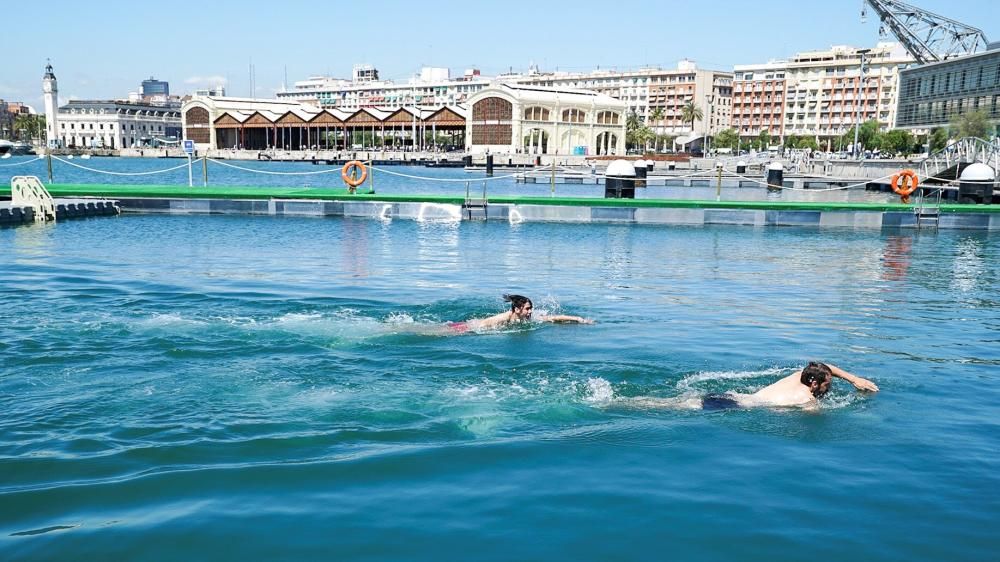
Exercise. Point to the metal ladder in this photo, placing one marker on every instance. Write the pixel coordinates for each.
(927, 208)
(28, 191)
(475, 208)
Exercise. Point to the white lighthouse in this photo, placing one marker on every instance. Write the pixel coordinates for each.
(51, 91)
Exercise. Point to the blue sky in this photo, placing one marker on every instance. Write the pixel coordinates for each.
(103, 50)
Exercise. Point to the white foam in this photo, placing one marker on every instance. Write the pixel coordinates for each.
(689, 382)
(599, 391)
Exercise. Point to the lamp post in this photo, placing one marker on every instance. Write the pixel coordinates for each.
(710, 98)
(857, 102)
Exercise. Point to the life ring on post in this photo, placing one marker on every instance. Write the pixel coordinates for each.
(354, 173)
(904, 184)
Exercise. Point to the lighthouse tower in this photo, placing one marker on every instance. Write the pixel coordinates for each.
(51, 91)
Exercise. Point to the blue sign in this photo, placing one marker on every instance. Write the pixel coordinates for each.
(189, 146)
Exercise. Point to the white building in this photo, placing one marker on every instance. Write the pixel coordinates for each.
(117, 124)
(432, 87)
(657, 96)
(50, 91)
(818, 94)
(517, 118)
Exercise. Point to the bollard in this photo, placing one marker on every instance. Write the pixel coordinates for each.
(976, 184)
(649, 166)
(741, 167)
(204, 171)
(639, 166)
(619, 182)
(775, 176)
(467, 160)
(489, 165)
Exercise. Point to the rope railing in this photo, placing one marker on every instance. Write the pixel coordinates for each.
(110, 173)
(444, 180)
(23, 162)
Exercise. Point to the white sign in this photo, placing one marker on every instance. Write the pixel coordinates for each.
(189, 146)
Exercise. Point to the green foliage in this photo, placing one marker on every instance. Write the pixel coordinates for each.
(727, 138)
(807, 143)
(655, 115)
(636, 134)
(27, 127)
(972, 124)
(691, 113)
(792, 141)
(938, 140)
(868, 135)
(896, 141)
(764, 140)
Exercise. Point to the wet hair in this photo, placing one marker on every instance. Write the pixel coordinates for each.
(517, 301)
(815, 372)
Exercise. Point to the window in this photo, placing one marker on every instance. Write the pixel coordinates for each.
(536, 114)
(573, 116)
(608, 118)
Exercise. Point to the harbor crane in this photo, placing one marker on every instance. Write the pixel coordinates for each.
(927, 36)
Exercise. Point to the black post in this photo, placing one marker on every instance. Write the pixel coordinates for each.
(489, 165)
(775, 177)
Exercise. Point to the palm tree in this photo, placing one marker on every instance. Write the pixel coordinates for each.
(29, 126)
(655, 116)
(691, 113)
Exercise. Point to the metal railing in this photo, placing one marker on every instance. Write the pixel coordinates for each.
(28, 191)
(965, 150)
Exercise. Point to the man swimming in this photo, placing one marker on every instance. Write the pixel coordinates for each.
(521, 309)
(802, 389)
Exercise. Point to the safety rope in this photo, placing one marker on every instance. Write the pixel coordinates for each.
(446, 180)
(35, 159)
(75, 165)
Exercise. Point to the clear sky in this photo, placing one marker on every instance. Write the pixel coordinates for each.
(104, 49)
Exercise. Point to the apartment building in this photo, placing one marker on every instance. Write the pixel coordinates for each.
(819, 94)
(656, 92)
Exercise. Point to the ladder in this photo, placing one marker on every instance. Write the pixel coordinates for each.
(927, 208)
(28, 191)
(474, 208)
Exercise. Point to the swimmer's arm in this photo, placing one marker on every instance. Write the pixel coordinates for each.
(494, 321)
(858, 382)
(566, 319)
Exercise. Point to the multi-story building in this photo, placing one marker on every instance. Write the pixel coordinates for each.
(932, 95)
(154, 89)
(433, 87)
(9, 111)
(117, 124)
(658, 96)
(819, 94)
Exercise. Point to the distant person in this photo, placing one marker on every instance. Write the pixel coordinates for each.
(520, 311)
(802, 389)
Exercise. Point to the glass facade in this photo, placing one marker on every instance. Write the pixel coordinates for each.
(932, 95)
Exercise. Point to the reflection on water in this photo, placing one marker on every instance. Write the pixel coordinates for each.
(896, 257)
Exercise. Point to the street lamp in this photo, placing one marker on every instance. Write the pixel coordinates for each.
(710, 98)
(857, 102)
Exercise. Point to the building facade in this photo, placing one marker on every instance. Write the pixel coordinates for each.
(932, 95)
(433, 87)
(658, 96)
(819, 94)
(260, 124)
(117, 124)
(154, 89)
(50, 93)
(518, 118)
(9, 111)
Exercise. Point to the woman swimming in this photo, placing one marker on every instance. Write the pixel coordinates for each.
(520, 311)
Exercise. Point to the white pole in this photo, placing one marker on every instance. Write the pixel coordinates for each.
(190, 177)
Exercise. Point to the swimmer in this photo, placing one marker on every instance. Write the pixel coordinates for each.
(802, 389)
(520, 312)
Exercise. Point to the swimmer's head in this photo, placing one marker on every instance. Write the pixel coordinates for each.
(817, 377)
(520, 306)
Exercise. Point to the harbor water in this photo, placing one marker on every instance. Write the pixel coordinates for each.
(231, 388)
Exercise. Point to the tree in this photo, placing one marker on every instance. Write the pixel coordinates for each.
(636, 134)
(691, 113)
(938, 140)
(29, 127)
(792, 141)
(763, 140)
(896, 141)
(727, 138)
(868, 135)
(807, 143)
(972, 124)
(655, 116)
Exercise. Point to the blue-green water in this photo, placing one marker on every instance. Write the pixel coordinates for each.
(218, 387)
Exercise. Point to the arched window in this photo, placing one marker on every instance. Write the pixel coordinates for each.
(491, 121)
(536, 114)
(608, 118)
(607, 143)
(574, 116)
(536, 141)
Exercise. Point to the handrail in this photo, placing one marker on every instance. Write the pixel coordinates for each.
(29, 191)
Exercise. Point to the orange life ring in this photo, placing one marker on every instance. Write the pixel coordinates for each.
(349, 178)
(907, 186)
